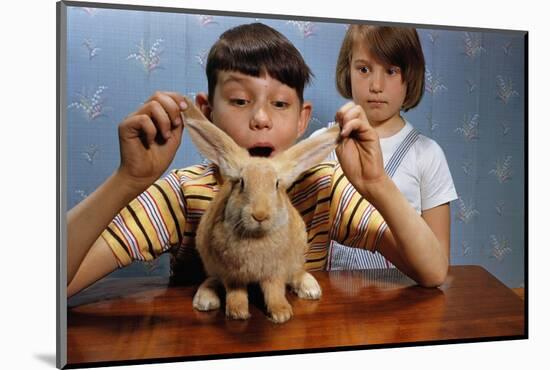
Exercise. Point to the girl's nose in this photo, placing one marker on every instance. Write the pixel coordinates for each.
(377, 82)
(260, 119)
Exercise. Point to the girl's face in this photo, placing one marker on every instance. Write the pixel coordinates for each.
(376, 87)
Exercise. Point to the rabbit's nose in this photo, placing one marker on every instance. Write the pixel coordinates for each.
(260, 216)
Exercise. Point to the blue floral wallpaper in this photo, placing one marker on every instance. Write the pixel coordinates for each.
(473, 107)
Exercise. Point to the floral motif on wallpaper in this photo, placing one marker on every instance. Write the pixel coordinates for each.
(466, 210)
(433, 36)
(472, 44)
(91, 104)
(466, 249)
(91, 48)
(201, 57)
(432, 125)
(506, 128)
(89, 154)
(467, 167)
(150, 59)
(205, 20)
(505, 89)
(499, 247)
(500, 207)
(472, 85)
(81, 194)
(470, 127)
(90, 11)
(306, 29)
(507, 48)
(434, 83)
(503, 169)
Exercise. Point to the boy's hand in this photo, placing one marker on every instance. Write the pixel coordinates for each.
(150, 137)
(359, 153)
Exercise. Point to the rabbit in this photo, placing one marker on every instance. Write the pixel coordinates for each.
(251, 232)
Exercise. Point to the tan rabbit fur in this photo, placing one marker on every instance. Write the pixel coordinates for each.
(251, 232)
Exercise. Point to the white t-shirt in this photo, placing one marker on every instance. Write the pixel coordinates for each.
(423, 176)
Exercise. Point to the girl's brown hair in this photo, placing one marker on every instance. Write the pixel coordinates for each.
(392, 46)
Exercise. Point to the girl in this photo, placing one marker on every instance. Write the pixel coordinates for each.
(382, 70)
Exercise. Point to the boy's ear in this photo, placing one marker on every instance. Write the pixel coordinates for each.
(305, 115)
(202, 102)
(213, 142)
(306, 154)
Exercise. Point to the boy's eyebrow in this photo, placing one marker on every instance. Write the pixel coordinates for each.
(232, 77)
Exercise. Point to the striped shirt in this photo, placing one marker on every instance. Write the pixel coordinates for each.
(165, 217)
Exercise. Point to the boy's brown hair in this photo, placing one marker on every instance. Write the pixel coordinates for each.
(254, 49)
(392, 46)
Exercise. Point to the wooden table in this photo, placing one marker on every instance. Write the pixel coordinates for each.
(146, 320)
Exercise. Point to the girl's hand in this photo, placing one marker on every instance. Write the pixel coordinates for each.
(149, 139)
(359, 153)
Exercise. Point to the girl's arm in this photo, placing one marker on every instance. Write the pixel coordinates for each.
(417, 245)
(409, 243)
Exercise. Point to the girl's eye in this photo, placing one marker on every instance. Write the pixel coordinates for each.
(363, 69)
(394, 70)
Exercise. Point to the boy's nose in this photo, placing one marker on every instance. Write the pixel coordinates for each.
(260, 120)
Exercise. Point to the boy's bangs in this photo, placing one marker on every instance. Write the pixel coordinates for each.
(255, 62)
(256, 49)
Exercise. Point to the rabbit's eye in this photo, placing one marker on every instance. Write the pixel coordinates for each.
(241, 181)
(277, 184)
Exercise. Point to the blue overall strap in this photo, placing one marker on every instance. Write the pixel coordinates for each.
(401, 151)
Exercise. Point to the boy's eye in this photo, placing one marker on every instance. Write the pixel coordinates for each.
(280, 104)
(239, 102)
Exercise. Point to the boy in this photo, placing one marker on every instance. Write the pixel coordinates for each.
(256, 79)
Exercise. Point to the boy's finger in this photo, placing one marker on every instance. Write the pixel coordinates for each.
(160, 117)
(170, 105)
(177, 134)
(179, 99)
(139, 125)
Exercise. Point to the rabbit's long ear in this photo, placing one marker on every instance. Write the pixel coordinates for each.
(306, 154)
(214, 143)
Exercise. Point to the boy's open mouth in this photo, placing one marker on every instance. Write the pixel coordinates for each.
(261, 151)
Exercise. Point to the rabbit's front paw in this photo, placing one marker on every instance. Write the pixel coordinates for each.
(206, 299)
(236, 305)
(237, 312)
(307, 287)
(280, 313)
